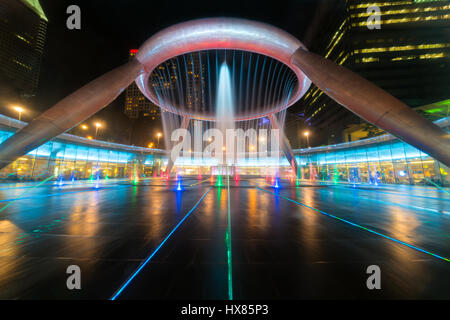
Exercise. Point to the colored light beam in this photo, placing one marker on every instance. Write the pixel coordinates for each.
(25, 192)
(228, 242)
(405, 206)
(436, 185)
(400, 194)
(194, 184)
(400, 205)
(361, 227)
(120, 290)
(59, 194)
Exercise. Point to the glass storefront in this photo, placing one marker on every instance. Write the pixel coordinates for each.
(377, 160)
(74, 158)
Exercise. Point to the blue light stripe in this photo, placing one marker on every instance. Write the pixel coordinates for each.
(59, 193)
(390, 193)
(406, 206)
(119, 291)
(401, 205)
(359, 226)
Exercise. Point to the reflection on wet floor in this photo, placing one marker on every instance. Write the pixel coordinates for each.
(281, 245)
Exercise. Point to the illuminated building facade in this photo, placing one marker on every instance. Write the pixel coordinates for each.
(23, 27)
(72, 157)
(377, 160)
(195, 89)
(408, 56)
(136, 103)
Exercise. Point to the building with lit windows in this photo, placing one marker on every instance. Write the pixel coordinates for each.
(70, 157)
(23, 27)
(378, 160)
(195, 88)
(408, 56)
(136, 103)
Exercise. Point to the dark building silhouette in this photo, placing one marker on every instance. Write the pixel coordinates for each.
(23, 27)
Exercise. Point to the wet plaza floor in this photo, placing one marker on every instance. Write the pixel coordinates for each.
(243, 240)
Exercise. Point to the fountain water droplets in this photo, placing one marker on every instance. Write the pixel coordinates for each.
(224, 103)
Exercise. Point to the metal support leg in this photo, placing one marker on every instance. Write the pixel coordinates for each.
(285, 145)
(184, 125)
(69, 112)
(374, 105)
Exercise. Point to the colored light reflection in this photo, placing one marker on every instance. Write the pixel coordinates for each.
(276, 183)
(26, 191)
(60, 181)
(219, 181)
(179, 185)
(120, 290)
(228, 242)
(359, 226)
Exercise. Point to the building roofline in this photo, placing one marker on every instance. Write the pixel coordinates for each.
(66, 137)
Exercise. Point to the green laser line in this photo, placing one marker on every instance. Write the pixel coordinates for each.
(436, 185)
(25, 192)
(228, 241)
(194, 184)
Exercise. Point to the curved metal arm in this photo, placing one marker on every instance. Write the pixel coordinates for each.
(374, 105)
(69, 112)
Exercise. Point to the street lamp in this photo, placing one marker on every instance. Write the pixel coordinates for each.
(306, 133)
(158, 135)
(19, 110)
(97, 126)
(84, 127)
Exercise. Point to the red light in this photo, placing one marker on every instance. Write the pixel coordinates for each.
(134, 51)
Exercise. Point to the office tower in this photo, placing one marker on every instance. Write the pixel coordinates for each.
(408, 56)
(23, 27)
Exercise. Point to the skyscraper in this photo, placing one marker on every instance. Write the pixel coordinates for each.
(136, 103)
(23, 27)
(408, 55)
(195, 87)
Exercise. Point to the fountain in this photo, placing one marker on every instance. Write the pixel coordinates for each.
(225, 108)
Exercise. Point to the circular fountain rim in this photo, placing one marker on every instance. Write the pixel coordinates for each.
(215, 34)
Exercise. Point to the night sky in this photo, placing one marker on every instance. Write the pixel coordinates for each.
(109, 28)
